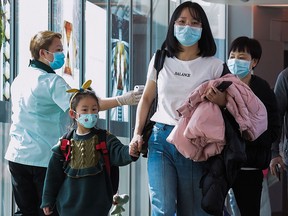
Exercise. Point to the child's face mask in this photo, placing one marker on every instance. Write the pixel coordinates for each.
(87, 120)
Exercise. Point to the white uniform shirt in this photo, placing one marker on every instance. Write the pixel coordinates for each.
(177, 80)
(39, 116)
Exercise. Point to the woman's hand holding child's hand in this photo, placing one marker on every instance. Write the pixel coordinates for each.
(133, 149)
(135, 146)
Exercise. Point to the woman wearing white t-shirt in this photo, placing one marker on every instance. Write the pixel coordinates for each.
(173, 179)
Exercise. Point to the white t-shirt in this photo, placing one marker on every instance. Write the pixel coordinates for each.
(177, 80)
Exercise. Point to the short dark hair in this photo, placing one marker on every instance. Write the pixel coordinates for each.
(206, 43)
(249, 45)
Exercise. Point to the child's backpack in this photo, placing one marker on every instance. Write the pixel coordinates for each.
(113, 171)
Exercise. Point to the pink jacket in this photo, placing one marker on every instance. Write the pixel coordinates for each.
(200, 132)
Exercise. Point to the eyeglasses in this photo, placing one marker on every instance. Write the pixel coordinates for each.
(193, 23)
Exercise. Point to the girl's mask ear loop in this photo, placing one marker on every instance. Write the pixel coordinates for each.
(85, 86)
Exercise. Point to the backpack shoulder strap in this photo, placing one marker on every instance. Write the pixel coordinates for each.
(159, 60)
(113, 171)
(65, 144)
(102, 146)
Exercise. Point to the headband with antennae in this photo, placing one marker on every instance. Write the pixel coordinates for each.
(85, 86)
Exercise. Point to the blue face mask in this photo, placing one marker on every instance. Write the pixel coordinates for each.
(239, 67)
(58, 61)
(187, 35)
(87, 120)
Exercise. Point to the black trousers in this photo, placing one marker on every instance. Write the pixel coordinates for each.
(247, 189)
(27, 185)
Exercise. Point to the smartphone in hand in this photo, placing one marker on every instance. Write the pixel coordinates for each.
(138, 88)
(224, 85)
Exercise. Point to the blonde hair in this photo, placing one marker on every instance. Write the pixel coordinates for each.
(42, 40)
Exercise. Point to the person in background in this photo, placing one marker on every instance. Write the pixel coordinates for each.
(40, 107)
(174, 179)
(279, 162)
(244, 55)
(265, 205)
(80, 185)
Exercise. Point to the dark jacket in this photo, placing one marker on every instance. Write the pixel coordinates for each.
(259, 151)
(222, 169)
(281, 92)
(80, 188)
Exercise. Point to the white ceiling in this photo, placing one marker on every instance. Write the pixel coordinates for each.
(249, 2)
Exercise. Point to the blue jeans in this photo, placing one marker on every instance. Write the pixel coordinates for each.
(173, 179)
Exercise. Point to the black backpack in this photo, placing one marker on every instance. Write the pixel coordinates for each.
(113, 171)
(148, 127)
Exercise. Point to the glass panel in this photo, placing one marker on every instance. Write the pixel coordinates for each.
(120, 60)
(5, 183)
(173, 5)
(26, 13)
(5, 50)
(67, 17)
(160, 23)
(119, 80)
(216, 15)
(141, 28)
(29, 11)
(96, 48)
(141, 40)
(5, 79)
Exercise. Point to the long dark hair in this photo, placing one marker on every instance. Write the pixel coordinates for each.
(206, 43)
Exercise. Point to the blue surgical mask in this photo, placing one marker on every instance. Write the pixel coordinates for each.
(58, 60)
(187, 35)
(87, 120)
(239, 67)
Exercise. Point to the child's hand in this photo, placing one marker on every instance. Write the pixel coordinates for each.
(47, 211)
(139, 140)
(133, 148)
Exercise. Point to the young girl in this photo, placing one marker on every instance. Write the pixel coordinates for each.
(81, 185)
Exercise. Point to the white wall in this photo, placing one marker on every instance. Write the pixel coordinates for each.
(272, 61)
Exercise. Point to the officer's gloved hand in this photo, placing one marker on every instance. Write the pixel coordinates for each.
(129, 98)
